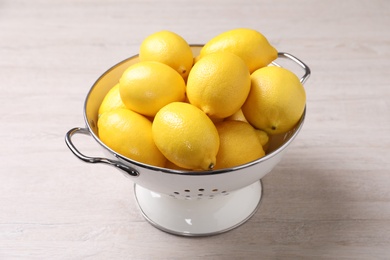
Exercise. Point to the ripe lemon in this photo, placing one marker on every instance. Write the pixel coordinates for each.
(111, 101)
(248, 44)
(130, 134)
(263, 137)
(147, 86)
(169, 48)
(186, 136)
(239, 116)
(171, 165)
(276, 101)
(218, 84)
(239, 144)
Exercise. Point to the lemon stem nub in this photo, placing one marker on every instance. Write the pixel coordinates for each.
(211, 166)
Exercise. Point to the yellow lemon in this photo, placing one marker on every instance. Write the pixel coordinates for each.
(186, 136)
(147, 86)
(171, 165)
(248, 44)
(130, 134)
(239, 144)
(218, 84)
(239, 116)
(263, 137)
(111, 101)
(276, 101)
(168, 48)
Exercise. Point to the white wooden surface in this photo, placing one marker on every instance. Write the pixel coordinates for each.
(329, 198)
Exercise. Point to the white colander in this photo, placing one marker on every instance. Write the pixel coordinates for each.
(185, 202)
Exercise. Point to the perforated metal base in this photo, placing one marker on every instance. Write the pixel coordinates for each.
(199, 217)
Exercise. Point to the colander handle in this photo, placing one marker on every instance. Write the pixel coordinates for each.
(78, 130)
(297, 61)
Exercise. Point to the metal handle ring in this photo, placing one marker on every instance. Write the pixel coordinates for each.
(78, 130)
(297, 61)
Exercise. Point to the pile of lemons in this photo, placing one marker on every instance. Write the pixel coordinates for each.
(213, 111)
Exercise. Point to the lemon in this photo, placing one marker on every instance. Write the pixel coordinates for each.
(239, 116)
(111, 101)
(263, 137)
(276, 101)
(169, 48)
(239, 144)
(171, 165)
(252, 46)
(130, 134)
(218, 84)
(186, 136)
(147, 86)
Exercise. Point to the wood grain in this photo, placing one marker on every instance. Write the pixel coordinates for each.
(329, 198)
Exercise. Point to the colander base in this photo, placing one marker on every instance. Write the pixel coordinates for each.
(199, 217)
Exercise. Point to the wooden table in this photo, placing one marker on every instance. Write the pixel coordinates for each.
(329, 198)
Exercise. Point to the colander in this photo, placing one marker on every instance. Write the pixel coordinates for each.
(187, 203)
